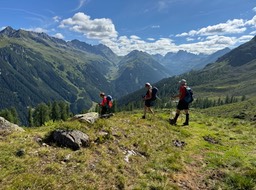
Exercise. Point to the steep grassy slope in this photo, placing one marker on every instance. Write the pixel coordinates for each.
(37, 68)
(136, 154)
(243, 110)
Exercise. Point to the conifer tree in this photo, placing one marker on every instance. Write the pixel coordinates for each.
(14, 114)
(7, 115)
(64, 110)
(41, 114)
(56, 112)
(30, 117)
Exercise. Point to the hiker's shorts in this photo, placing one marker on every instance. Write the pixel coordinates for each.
(182, 105)
(149, 103)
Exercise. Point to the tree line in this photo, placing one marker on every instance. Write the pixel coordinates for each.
(200, 103)
(57, 110)
(60, 110)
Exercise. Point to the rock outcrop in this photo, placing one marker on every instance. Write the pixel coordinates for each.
(87, 117)
(73, 139)
(7, 127)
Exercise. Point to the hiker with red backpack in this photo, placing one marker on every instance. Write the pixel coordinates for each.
(185, 98)
(105, 104)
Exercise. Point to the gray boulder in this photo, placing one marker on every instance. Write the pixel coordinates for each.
(90, 117)
(73, 139)
(7, 127)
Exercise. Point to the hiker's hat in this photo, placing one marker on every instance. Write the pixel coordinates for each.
(182, 81)
(147, 84)
(102, 94)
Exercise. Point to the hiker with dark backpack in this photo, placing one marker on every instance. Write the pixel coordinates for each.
(149, 99)
(185, 98)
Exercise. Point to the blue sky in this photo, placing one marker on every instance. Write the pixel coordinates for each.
(153, 26)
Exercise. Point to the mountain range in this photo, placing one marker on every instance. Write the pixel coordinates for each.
(232, 74)
(37, 68)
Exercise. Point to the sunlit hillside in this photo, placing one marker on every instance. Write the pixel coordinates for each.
(127, 152)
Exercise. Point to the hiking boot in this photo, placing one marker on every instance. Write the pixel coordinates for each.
(143, 117)
(185, 124)
(172, 121)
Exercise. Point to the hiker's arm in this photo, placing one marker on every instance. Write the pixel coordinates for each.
(176, 96)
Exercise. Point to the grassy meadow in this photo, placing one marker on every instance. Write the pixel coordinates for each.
(128, 152)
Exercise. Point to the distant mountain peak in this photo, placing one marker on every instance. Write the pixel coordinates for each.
(137, 53)
(7, 31)
(104, 47)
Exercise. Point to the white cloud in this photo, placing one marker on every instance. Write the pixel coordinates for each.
(58, 35)
(151, 39)
(2, 28)
(162, 5)
(81, 4)
(155, 26)
(190, 39)
(254, 9)
(235, 26)
(244, 38)
(230, 27)
(253, 33)
(124, 45)
(210, 44)
(56, 19)
(38, 30)
(251, 22)
(92, 28)
(204, 40)
(134, 38)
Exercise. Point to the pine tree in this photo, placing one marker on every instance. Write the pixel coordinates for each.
(243, 98)
(7, 115)
(30, 117)
(64, 110)
(41, 114)
(14, 114)
(56, 112)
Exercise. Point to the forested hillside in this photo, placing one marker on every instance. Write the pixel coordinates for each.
(36, 68)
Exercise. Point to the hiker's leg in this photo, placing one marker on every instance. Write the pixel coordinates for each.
(103, 110)
(151, 110)
(187, 120)
(179, 107)
(174, 120)
(176, 115)
(187, 117)
(144, 112)
(146, 108)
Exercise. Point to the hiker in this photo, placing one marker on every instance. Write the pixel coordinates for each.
(148, 100)
(103, 104)
(182, 104)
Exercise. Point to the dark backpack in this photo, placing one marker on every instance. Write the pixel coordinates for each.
(154, 93)
(189, 95)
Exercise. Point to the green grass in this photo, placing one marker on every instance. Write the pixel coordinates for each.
(156, 163)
